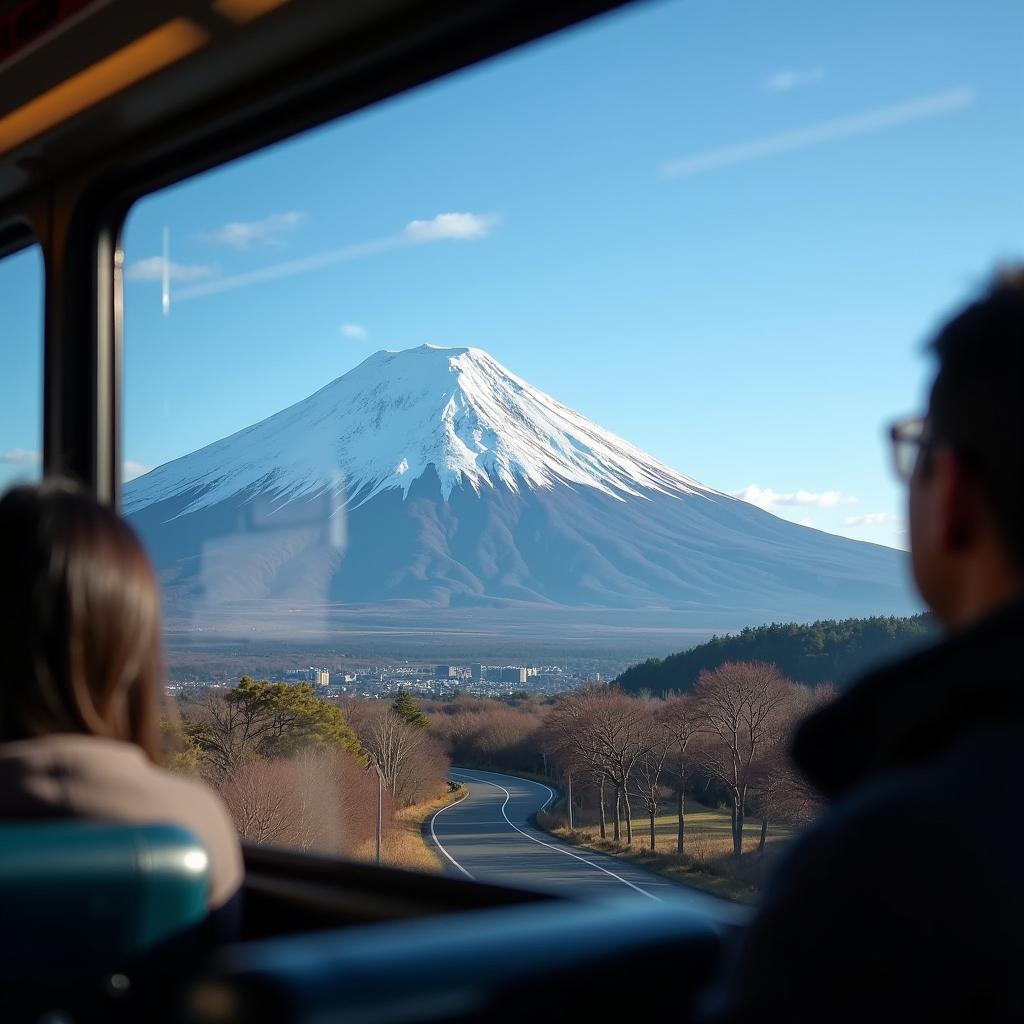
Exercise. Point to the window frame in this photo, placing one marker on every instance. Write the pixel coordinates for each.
(17, 235)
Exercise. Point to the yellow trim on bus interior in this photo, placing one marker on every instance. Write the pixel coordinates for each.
(241, 11)
(152, 52)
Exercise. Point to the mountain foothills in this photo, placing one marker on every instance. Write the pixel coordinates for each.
(436, 480)
(827, 651)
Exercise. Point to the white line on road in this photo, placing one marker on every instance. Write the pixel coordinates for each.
(437, 842)
(550, 846)
(533, 782)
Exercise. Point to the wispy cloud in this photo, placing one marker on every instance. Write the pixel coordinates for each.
(357, 332)
(130, 469)
(20, 457)
(791, 78)
(870, 121)
(445, 226)
(870, 519)
(242, 234)
(449, 225)
(766, 498)
(152, 269)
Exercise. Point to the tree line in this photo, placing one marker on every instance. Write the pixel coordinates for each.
(829, 650)
(729, 738)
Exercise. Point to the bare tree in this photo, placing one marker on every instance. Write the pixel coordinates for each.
(780, 791)
(608, 732)
(739, 703)
(257, 794)
(571, 740)
(648, 770)
(680, 721)
(410, 760)
(317, 800)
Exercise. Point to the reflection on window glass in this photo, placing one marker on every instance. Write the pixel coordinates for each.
(21, 367)
(442, 417)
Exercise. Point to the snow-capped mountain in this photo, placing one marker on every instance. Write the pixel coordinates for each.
(437, 479)
(382, 425)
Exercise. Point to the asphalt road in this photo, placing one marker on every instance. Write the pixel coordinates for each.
(487, 836)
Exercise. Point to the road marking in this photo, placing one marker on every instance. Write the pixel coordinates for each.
(550, 846)
(437, 842)
(480, 771)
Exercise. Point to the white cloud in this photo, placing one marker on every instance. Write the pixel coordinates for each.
(870, 519)
(242, 234)
(458, 226)
(130, 469)
(766, 498)
(791, 78)
(357, 332)
(449, 225)
(827, 131)
(152, 269)
(20, 457)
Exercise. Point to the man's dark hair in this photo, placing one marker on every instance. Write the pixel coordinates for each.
(977, 400)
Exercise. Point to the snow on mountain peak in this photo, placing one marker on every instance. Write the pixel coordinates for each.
(382, 424)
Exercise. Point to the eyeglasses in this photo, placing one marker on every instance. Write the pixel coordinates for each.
(909, 438)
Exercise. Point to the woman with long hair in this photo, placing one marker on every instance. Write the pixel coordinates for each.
(81, 678)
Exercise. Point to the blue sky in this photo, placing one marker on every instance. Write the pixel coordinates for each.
(722, 230)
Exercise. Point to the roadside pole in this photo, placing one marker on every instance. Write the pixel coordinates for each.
(380, 801)
(569, 801)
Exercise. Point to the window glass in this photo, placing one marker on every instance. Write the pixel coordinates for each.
(21, 367)
(566, 362)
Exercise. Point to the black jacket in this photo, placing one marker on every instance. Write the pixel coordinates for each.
(905, 902)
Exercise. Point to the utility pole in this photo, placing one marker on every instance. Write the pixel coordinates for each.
(380, 801)
(570, 801)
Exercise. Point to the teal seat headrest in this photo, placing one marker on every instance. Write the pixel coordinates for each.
(87, 897)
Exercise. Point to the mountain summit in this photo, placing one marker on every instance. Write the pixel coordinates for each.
(436, 479)
(384, 423)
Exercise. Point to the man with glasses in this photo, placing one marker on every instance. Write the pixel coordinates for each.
(905, 902)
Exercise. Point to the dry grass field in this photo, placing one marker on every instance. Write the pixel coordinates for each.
(708, 863)
(403, 844)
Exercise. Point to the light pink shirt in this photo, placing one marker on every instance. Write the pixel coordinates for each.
(77, 776)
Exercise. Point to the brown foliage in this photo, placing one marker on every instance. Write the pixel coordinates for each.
(412, 761)
(748, 710)
(324, 801)
(489, 734)
(601, 732)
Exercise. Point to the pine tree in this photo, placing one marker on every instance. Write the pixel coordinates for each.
(405, 706)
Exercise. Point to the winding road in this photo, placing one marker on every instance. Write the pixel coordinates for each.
(487, 836)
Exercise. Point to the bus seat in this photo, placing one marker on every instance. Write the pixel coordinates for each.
(86, 903)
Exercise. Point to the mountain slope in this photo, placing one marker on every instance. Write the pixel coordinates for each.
(381, 426)
(435, 479)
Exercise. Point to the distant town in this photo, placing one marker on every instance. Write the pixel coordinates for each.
(436, 681)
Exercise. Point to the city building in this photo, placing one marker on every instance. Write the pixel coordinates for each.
(446, 672)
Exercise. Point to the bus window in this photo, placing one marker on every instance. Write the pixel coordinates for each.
(21, 367)
(446, 416)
